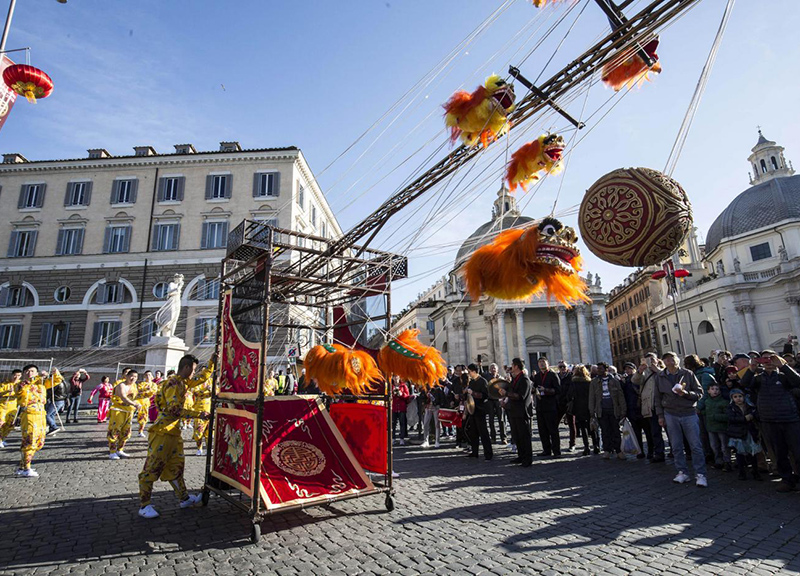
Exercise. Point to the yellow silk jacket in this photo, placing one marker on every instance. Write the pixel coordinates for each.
(172, 404)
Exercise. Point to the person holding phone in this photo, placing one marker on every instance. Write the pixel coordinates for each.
(644, 380)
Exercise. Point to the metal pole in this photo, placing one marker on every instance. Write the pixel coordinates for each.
(677, 317)
(8, 24)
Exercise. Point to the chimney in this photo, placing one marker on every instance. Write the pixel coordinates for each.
(14, 158)
(185, 149)
(229, 147)
(98, 153)
(145, 150)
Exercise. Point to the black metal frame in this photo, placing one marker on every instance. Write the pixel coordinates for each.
(268, 265)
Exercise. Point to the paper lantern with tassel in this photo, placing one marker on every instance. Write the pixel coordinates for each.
(405, 356)
(337, 368)
(28, 81)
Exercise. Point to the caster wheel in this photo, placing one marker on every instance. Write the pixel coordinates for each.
(389, 502)
(205, 497)
(255, 533)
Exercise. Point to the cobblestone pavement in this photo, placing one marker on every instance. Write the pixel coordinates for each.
(454, 515)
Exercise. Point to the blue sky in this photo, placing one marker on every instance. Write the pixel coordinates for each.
(318, 74)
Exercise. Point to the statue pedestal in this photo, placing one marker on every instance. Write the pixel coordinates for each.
(164, 353)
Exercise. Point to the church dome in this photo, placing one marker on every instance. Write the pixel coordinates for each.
(773, 197)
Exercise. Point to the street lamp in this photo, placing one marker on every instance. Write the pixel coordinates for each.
(669, 273)
(8, 22)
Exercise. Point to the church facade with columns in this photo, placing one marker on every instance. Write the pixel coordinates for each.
(744, 293)
(495, 330)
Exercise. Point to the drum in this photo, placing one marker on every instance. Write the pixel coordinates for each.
(449, 417)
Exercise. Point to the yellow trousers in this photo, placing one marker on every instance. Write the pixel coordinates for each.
(200, 433)
(8, 411)
(119, 428)
(142, 415)
(33, 427)
(165, 461)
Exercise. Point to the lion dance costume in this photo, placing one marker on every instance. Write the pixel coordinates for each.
(31, 397)
(8, 408)
(527, 164)
(405, 356)
(165, 459)
(523, 262)
(201, 404)
(481, 116)
(144, 393)
(630, 69)
(337, 369)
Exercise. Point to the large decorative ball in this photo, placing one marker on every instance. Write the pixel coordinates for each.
(635, 217)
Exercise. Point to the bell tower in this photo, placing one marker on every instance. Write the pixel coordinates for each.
(505, 204)
(767, 161)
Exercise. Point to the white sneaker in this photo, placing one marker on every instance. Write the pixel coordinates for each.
(191, 500)
(701, 481)
(29, 473)
(395, 474)
(142, 434)
(53, 432)
(113, 456)
(148, 512)
(122, 454)
(436, 445)
(425, 445)
(201, 452)
(2, 444)
(402, 442)
(512, 448)
(681, 478)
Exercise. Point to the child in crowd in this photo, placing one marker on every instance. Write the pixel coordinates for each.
(714, 410)
(743, 433)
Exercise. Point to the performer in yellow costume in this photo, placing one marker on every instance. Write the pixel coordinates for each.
(201, 404)
(120, 415)
(31, 395)
(165, 459)
(145, 390)
(8, 405)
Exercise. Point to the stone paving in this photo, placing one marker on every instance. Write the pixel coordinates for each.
(454, 515)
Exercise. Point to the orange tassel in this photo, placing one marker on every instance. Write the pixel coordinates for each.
(542, 3)
(629, 69)
(405, 356)
(513, 267)
(337, 369)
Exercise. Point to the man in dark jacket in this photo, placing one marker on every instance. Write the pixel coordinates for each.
(607, 404)
(519, 408)
(565, 379)
(634, 408)
(495, 411)
(777, 409)
(677, 392)
(548, 387)
(479, 390)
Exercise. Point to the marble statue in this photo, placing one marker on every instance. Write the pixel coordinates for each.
(167, 315)
(737, 266)
(720, 268)
(783, 253)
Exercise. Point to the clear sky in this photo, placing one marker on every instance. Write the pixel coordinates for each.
(318, 74)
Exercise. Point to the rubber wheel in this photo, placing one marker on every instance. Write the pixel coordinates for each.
(255, 533)
(206, 494)
(389, 502)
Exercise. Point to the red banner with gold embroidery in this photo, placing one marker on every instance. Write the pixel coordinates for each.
(238, 373)
(304, 457)
(365, 430)
(234, 449)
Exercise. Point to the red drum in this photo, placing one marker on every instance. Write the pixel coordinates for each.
(449, 417)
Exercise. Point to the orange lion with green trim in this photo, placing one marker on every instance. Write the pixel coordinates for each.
(405, 356)
(337, 368)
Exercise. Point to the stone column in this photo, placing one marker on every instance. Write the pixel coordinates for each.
(522, 347)
(583, 335)
(490, 337)
(563, 333)
(501, 337)
(794, 305)
(600, 352)
(461, 327)
(750, 325)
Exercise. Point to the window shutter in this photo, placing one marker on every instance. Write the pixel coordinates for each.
(12, 244)
(228, 185)
(154, 242)
(40, 196)
(162, 187)
(120, 295)
(224, 235)
(176, 236)
(115, 191)
(144, 338)
(22, 191)
(68, 194)
(181, 185)
(200, 289)
(87, 196)
(198, 331)
(100, 294)
(126, 239)
(64, 340)
(134, 189)
(23, 296)
(31, 248)
(209, 186)
(96, 334)
(47, 332)
(204, 236)
(276, 184)
(116, 329)
(16, 335)
(4, 297)
(79, 241)
(257, 185)
(107, 241)
(60, 242)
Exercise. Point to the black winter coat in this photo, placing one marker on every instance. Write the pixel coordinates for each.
(774, 397)
(579, 397)
(738, 426)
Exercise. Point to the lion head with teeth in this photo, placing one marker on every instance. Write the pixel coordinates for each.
(534, 159)
(524, 262)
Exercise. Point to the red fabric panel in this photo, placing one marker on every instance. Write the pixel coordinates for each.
(364, 429)
(450, 417)
(239, 362)
(233, 448)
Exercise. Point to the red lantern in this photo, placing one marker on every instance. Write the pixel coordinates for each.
(28, 81)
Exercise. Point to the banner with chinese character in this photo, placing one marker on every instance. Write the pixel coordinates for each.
(7, 95)
(234, 459)
(238, 372)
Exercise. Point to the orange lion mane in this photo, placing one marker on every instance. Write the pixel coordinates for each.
(341, 370)
(425, 371)
(507, 269)
(629, 69)
(460, 104)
